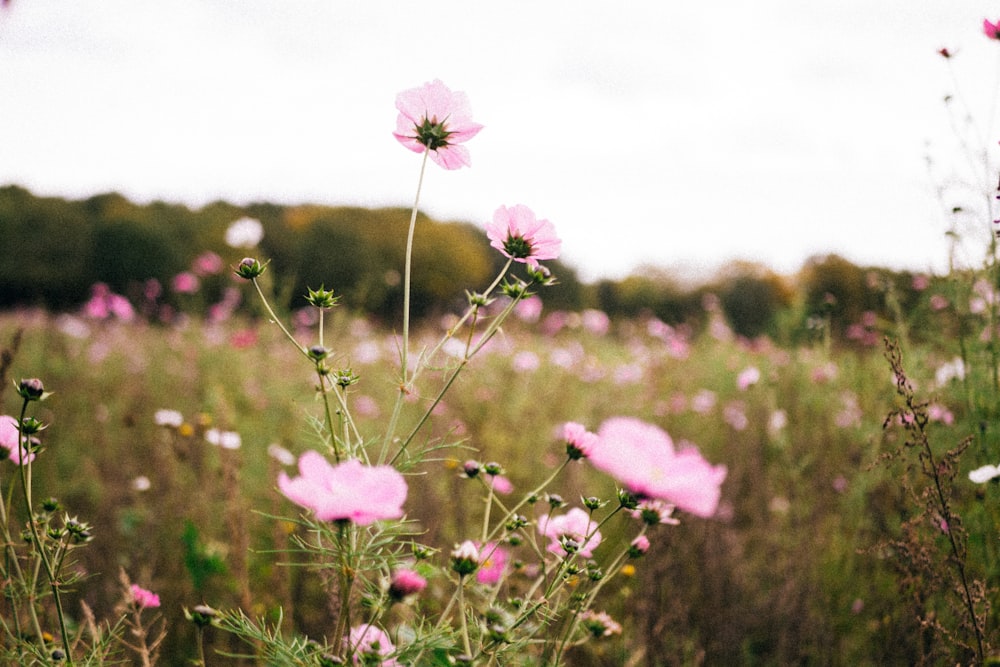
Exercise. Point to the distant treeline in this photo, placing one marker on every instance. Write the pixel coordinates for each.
(55, 250)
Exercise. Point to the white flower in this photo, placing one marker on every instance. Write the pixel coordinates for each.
(280, 454)
(244, 233)
(953, 370)
(224, 439)
(141, 483)
(984, 474)
(170, 418)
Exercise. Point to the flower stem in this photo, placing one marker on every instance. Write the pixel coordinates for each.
(274, 318)
(25, 457)
(404, 362)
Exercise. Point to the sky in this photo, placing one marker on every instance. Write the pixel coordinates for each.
(679, 135)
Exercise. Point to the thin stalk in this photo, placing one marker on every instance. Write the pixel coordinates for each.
(345, 581)
(407, 271)
(25, 454)
(277, 321)
(466, 644)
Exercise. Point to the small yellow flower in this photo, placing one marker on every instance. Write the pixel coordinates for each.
(185, 430)
(628, 570)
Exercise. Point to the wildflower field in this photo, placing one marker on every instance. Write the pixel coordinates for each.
(787, 570)
(212, 471)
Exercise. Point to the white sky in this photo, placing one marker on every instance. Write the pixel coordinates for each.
(678, 134)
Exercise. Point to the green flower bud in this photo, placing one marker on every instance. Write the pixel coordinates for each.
(249, 268)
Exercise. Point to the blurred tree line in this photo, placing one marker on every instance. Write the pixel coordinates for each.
(55, 250)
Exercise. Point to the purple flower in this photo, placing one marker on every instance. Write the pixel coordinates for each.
(347, 491)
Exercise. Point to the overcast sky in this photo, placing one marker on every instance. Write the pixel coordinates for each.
(677, 134)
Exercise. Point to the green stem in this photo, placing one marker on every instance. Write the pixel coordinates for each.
(466, 645)
(25, 457)
(407, 270)
(277, 321)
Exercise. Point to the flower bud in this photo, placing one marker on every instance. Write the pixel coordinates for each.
(322, 298)
(555, 500)
(515, 290)
(465, 558)
(420, 552)
(345, 377)
(493, 468)
(202, 615)
(249, 268)
(317, 352)
(593, 503)
(31, 389)
(477, 299)
(472, 468)
(626, 500)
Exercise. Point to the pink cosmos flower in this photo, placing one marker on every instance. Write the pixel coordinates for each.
(599, 624)
(748, 377)
(642, 457)
(368, 642)
(10, 439)
(579, 441)
(519, 235)
(502, 485)
(433, 117)
(639, 546)
(347, 491)
(405, 582)
(185, 282)
(991, 30)
(207, 263)
(144, 599)
(576, 526)
(494, 563)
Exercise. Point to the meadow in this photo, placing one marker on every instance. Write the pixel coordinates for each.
(788, 571)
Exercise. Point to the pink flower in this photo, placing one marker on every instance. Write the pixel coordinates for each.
(434, 118)
(494, 563)
(10, 439)
(519, 235)
(405, 582)
(347, 491)
(654, 512)
(579, 441)
(748, 377)
(502, 485)
(642, 457)
(639, 546)
(144, 599)
(991, 30)
(367, 642)
(573, 532)
(207, 263)
(599, 624)
(186, 282)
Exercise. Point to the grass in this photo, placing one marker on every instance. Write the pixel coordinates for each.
(783, 575)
